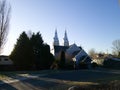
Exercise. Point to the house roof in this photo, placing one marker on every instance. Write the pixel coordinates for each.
(3, 56)
(82, 56)
(75, 53)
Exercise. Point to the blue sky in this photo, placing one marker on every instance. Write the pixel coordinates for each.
(89, 23)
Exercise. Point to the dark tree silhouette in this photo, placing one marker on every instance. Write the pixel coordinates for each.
(4, 22)
(47, 57)
(32, 52)
(62, 60)
(21, 54)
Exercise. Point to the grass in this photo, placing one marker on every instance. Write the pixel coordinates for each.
(112, 85)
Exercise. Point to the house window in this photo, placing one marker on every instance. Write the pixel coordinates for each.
(6, 59)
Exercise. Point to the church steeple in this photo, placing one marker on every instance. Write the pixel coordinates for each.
(66, 42)
(56, 40)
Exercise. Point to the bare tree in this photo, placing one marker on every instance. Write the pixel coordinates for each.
(5, 9)
(116, 46)
(92, 52)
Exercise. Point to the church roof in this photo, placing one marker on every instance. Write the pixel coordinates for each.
(73, 48)
(60, 48)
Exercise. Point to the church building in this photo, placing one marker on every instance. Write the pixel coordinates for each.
(73, 53)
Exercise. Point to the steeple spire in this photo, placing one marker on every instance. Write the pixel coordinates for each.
(56, 40)
(66, 42)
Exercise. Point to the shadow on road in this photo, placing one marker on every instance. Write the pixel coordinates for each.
(6, 86)
(24, 83)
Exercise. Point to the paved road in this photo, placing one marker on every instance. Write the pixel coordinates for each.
(48, 81)
(82, 75)
(29, 84)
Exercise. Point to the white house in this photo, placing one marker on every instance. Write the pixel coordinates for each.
(5, 60)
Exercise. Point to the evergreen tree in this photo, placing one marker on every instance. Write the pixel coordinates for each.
(41, 52)
(32, 52)
(37, 44)
(47, 57)
(22, 51)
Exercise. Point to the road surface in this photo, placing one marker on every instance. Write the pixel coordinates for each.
(46, 82)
